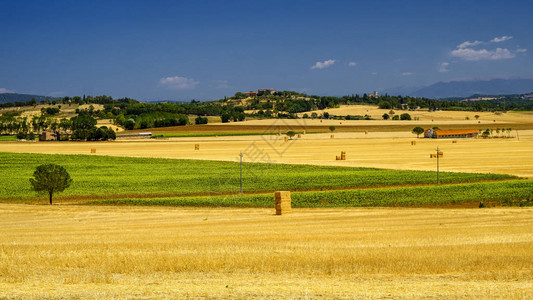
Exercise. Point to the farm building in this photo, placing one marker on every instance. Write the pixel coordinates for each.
(136, 135)
(47, 136)
(54, 136)
(450, 134)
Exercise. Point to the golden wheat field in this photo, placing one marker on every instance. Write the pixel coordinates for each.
(376, 149)
(128, 252)
(73, 251)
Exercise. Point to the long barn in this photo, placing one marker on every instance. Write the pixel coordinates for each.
(450, 134)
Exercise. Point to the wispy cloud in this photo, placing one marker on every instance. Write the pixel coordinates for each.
(501, 39)
(352, 64)
(467, 51)
(4, 91)
(468, 44)
(374, 73)
(444, 67)
(521, 50)
(482, 54)
(407, 74)
(178, 83)
(324, 64)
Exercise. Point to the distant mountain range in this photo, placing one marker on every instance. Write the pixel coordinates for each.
(13, 97)
(449, 89)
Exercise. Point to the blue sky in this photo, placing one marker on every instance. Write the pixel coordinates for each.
(183, 50)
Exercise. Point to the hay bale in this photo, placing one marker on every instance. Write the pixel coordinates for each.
(286, 138)
(196, 146)
(332, 136)
(93, 150)
(343, 155)
(454, 142)
(413, 143)
(282, 202)
(304, 132)
(337, 157)
(299, 136)
(366, 131)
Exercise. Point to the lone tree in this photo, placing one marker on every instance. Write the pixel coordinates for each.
(291, 134)
(418, 131)
(332, 128)
(50, 178)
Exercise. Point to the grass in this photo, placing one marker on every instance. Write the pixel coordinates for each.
(4, 138)
(104, 177)
(509, 193)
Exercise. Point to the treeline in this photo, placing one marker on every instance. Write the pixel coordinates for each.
(81, 127)
(132, 114)
(302, 103)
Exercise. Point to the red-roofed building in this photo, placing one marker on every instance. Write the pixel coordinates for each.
(450, 134)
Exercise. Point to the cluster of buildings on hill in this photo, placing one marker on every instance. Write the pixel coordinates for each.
(261, 92)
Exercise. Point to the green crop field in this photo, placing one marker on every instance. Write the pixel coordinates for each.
(107, 177)
(510, 193)
(206, 134)
(4, 138)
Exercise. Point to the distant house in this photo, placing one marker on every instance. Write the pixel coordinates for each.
(54, 136)
(251, 94)
(47, 136)
(450, 134)
(261, 92)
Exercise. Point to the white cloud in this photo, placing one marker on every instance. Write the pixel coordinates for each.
(4, 91)
(407, 74)
(521, 50)
(501, 39)
(468, 44)
(178, 83)
(482, 54)
(324, 64)
(352, 64)
(444, 67)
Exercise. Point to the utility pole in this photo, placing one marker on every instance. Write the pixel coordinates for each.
(437, 156)
(438, 166)
(241, 170)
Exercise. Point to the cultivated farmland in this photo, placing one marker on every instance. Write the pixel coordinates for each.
(115, 252)
(113, 177)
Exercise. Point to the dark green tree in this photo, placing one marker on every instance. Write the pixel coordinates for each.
(50, 178)
(291, 134)
(405, 116)
(418, 131)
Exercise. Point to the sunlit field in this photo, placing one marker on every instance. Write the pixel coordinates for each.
(86, 252)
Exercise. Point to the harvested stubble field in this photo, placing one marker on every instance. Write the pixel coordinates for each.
(103, 252)
(386, 150)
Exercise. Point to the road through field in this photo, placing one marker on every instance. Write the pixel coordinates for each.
(70, 251)
(376, 149)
